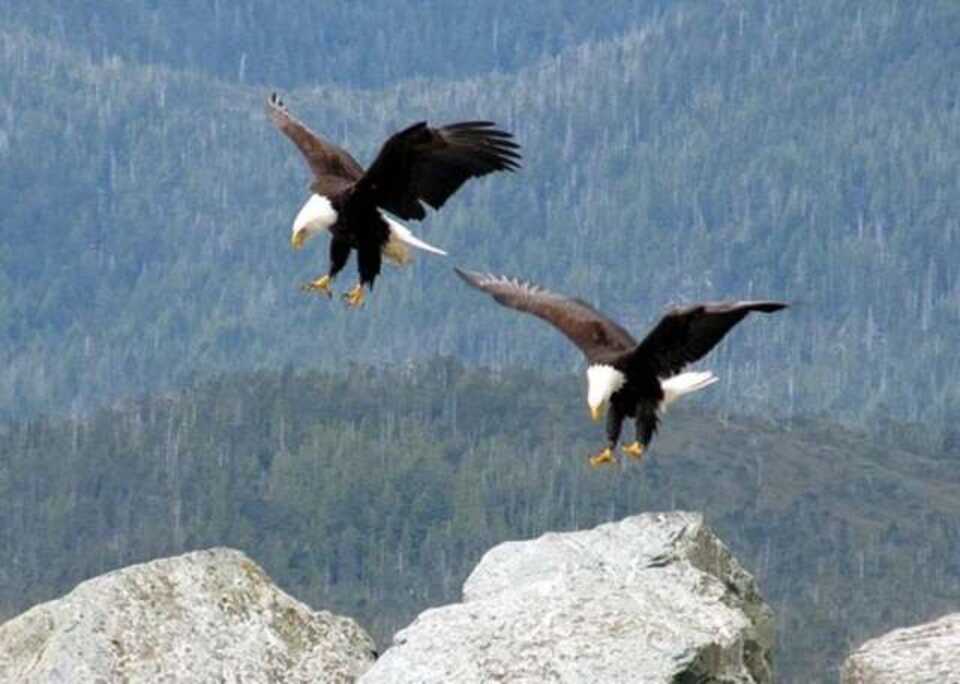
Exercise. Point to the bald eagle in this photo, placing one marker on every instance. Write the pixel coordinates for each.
(418, 164)
(632, 379)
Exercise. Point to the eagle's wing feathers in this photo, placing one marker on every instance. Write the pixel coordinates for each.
(427, 164)
(595, 334)
(329, 163)
(687, 334)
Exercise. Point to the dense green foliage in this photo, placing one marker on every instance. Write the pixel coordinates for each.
(798, 150)
(674, 151)
(374, 493)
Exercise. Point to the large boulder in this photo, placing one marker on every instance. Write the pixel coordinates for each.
(653, 598)
(207, 616)
(924, 653)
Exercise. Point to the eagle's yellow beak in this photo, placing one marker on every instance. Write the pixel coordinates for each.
(596, 412)
(298, 238)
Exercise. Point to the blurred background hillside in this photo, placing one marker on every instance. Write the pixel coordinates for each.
(674, 151)
(164, 385)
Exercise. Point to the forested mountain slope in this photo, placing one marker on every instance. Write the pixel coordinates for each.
(800, 151)
(373, 493)
(290, 43)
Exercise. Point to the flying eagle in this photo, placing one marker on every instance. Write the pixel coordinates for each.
(632, 379)
(418, 164)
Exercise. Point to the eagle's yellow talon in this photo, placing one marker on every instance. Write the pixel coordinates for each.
(354, 298)
(320, 285)
(604, 457)
(634, 450)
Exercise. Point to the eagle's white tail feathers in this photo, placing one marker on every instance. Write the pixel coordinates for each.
(684, 383)
(401, 239)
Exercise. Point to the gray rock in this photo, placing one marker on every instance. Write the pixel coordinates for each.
(924, 653)
(653, 598)
(207, 616)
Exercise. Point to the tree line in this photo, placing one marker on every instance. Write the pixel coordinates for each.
(374, 492)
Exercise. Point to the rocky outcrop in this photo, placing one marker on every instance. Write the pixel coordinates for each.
(207, 616)
(925, 653)
(653, 598)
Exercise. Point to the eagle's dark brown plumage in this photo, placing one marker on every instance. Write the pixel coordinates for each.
(634, 379)
(416, 166)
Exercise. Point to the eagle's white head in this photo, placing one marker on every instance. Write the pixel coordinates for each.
(316, 216)
(602, 382)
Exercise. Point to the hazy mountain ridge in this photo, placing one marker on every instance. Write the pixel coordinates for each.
(330, 42)
(765, 149)
(805, 151)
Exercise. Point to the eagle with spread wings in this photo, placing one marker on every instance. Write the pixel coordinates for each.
(626, 378)
(416, 166)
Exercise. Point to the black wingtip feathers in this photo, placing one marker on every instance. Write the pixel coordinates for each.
(770, 307)
(468, 277)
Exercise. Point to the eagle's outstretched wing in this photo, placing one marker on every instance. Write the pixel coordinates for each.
(427, 164)
(595, 334)
(686, 334)
(330, 164)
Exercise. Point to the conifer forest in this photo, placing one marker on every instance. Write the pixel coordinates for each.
(165, 385)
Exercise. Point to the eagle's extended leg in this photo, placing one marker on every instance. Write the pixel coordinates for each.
(614, 425)
(368, 263)
(339, 253)
(646, 425)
